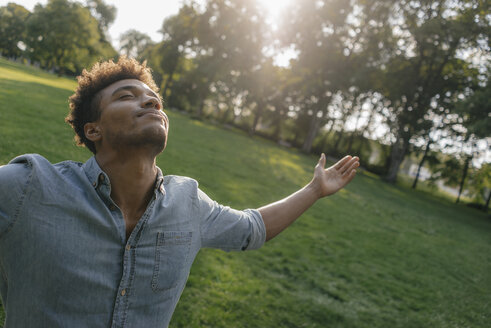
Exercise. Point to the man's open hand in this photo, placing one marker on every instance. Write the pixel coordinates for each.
(328, 181)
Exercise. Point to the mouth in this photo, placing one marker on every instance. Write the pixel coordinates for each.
(154, 114)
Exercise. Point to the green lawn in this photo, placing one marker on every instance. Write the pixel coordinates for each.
(373, 255)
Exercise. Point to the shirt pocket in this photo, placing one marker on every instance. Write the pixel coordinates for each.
(171, 255)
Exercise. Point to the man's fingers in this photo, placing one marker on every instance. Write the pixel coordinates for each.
(350, 167)
(342, 162)
(351, 175)
(347, 164)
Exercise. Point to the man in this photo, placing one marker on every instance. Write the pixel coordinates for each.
(109, 243)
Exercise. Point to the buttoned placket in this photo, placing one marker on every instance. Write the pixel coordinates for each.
(103, 188)
(129, 260)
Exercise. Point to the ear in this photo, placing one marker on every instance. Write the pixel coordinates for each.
(92, 131)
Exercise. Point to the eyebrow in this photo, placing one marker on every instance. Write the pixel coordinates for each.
(131, 88)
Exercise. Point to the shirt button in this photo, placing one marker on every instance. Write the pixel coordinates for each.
(128, 247)
(94, 184)
(112, 207)
(101, 177)
(123, 292)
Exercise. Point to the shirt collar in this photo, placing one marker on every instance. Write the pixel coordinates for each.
(97, 176)
(94, 173)
(159, 183)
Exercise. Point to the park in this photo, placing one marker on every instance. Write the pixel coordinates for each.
(376, 254)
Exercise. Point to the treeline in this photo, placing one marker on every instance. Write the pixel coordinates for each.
(62, 36)
(385, 80)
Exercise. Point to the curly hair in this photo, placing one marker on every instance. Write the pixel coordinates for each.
(84, 103)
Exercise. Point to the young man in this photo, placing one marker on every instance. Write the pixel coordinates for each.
(109, 243)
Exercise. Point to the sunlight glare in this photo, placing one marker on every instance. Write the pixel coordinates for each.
(274, 9)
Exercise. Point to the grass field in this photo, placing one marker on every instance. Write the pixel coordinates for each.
(373, 255)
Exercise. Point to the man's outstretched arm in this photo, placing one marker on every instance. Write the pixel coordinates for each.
(279, 215)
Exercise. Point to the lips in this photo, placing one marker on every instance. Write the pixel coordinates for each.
(155, 113)
(152, 112)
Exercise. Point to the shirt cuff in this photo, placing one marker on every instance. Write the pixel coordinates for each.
(258, 230)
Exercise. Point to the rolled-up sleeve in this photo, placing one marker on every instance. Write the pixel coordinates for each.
(229, 229)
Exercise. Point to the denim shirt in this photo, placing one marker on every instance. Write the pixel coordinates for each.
(65, 260)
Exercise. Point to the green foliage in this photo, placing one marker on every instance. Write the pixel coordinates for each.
(64, 36)
(168, 57)
(425, 67)
(373, 255)
(104, 13)
(133, 43)
(450, 172)
(480, 184)
(12, 29)
(476, 112)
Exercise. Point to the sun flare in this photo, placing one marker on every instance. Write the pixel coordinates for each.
(274, 9)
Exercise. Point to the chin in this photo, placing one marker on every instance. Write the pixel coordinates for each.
(152, 138)
(156, 141)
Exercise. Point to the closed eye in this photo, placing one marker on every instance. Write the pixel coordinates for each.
(125, 96)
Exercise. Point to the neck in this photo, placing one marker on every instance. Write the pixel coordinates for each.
(132, 176)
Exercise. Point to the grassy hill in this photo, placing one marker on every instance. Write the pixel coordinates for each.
(373, 255)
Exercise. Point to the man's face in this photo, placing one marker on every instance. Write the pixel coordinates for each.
(132, 116)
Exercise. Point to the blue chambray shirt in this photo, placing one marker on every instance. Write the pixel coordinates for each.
(64, 257)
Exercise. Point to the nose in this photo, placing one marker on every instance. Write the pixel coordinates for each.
(151, 102)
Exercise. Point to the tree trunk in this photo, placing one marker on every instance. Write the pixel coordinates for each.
(226, 114)
(278, 123)
(350, 142)
(362, 143)
(464, 175)
(277, 131)
(199, 113)
(326, 138)
(425, 155)
(338, 140)
(314, 125)
(397, 154)
(168, 82)
(362, 133)
(257, 116)
(294, 141)
(486, 207)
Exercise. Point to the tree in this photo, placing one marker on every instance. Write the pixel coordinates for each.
(13, 29)
(475, 112)
(179, 34)
(230, 44)
(481, 185)
(64, 36)
(262, 87)
(104, 13)
(424, 64)
(133, 43)
(334, 41)
(439, 125)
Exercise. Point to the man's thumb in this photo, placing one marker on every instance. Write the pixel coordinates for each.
(322, 160)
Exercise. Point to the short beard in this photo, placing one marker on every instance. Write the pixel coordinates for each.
(155, 140)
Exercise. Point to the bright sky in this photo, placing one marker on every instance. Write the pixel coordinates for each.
(147, 16)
